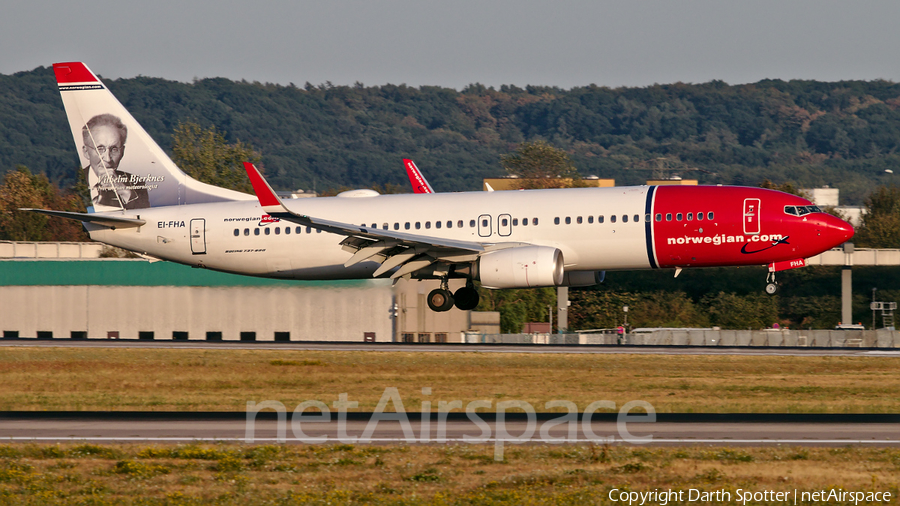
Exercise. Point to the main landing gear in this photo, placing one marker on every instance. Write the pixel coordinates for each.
(441, 299)
(771, 285)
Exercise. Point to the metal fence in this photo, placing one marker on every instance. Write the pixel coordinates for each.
(882, 338)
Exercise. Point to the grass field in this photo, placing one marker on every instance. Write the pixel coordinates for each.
(345, 474)
(224, 380)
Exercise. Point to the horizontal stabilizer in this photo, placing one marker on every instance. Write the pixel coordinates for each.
(98, 219)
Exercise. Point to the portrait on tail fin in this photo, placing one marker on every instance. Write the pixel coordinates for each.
(104, 138)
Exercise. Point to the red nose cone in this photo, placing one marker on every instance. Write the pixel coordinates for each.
(835, 231)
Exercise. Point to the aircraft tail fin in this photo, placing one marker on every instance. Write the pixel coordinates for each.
(138, 177)
(416, 179)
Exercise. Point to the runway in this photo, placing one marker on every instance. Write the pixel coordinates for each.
(486, 428)
(455, 348)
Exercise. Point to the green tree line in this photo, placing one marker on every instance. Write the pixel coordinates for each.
(844, 134)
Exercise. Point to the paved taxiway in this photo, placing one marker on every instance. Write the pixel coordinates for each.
(456, 348)
(172, 428)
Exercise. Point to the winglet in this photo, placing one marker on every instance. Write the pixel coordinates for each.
(416, 179)
(266, 195)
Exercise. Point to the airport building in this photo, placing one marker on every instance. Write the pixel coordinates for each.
(64, 290)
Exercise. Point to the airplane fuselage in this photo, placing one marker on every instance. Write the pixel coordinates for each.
(641, 227)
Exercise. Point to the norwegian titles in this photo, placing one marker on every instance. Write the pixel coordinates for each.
(717, 240)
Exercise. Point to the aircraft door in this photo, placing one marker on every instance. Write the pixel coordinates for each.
(751, 216)
(504, 225)
(484, 225)
(198, 236)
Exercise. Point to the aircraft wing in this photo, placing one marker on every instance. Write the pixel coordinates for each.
(406, 252)
(416, 179)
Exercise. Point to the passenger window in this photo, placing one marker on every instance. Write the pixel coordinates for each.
(406, 225)
(255, 231)
(298, 229)
(709, 215)
(636, 218)
(437, 224)
(568, 220)
(374, 225)
(600, 219)
(612, 219)
(237, 232)
(318, 230)
(668, 216)
(309, 229)
(287, 230)
(699, 216)
(384, 226)
(534, 221)
(246, 231)
(449, 224)
(268, 230)
(418, 225)
(277, 230)
(556, 220)
(471, 223)
(524, 222)
(658, 216)
(504, 222)
(484, 223)
(590, 219)
(647, 218)
(396, 226)
(427, 225)
(578, 220)
(515, 222)
(678, 216)
(459, 224)
(624, 218)
(690, 216)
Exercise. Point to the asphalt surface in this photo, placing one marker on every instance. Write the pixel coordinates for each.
(674, 429)
(803, 430)
(455, 348)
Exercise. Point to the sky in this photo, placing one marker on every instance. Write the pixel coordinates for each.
(564, 43)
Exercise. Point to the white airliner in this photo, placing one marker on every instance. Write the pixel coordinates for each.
(509, 239)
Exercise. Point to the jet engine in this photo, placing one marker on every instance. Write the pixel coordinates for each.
(521, 267)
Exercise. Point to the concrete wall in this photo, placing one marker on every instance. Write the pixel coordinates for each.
(11, 249)
(881, 338)
(309, 314)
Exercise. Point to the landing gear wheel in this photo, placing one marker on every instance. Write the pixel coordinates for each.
(466, 298)
(440, 300)
(771, 286)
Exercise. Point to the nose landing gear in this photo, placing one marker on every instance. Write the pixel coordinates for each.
(771, 285)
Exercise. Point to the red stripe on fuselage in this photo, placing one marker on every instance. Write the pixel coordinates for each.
(730, 237)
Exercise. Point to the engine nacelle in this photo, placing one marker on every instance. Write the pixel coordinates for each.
(522, 267)
(583, 278)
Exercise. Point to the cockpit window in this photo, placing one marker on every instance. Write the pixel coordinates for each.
(801, 210)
